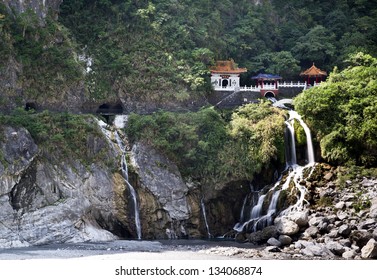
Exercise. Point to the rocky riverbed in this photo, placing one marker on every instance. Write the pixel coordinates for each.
(340, 222)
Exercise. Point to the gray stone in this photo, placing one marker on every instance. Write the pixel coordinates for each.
(274, 242)
(335, 248)
(340, 205)
(263, 235)
(285, 240)
(316, 250)
(349, 254)
(311, 231)
(344, 230)
(360, 237)
(286, 226)
(369, 251)
(369, 223)
(315, 221)
(333, 233)
(342, 215)
(300, 218)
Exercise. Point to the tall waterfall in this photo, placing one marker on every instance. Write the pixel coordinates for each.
(258, 217)
(203, 207)
(124, 169)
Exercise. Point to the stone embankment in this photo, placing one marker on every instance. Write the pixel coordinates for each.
(341, 221)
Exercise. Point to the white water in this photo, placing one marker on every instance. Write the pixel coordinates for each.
(309, 142)
(203, 207)
(291, 157)
(132, 190)
(105, 130)
(295, 175)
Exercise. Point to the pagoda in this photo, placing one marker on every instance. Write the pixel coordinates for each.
(225, 75)
(313, 72)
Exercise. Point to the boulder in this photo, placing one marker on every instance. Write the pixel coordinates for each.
(315, 249)
(344, 230)
(349, 254)
(335, 248)
(300, 218)
(274, 242)
(285, 240)
(263, 235)
(360, 237)
(286, 226)
(311, 231)
(369, 251)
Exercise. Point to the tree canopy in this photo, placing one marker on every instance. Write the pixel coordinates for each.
(343, 112)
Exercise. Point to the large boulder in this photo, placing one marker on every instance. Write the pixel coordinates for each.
(286, 226)
(369, 251)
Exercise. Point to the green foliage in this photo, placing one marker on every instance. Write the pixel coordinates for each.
(342, 112)
(207, 148)
(46, 53)
(66, 133)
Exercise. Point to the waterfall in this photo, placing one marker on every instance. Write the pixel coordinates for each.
(260, 218)
(291, 158)
(203, 207)
(126, 180)
(124, 168)
(294, 115)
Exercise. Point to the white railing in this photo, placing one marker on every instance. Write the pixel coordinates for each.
(292, 84)
(267, 86)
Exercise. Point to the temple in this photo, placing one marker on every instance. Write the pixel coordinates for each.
(225, 75)
(313, 73)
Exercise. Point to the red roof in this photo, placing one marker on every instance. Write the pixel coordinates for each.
(313, 72)
(227, 67)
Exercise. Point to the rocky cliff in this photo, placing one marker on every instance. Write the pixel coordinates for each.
(45, 201)
(40, 7)
(48, 200)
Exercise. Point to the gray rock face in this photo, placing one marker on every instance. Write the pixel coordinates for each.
(162, 179)
(40, 7)
(41, 202)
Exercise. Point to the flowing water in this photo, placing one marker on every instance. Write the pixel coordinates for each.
(104, 127)
(203, 207)
(259, 217)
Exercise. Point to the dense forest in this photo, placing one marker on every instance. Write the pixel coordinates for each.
(167, 45)
(162, 50)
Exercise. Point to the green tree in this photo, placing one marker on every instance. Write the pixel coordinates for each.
(343, 112)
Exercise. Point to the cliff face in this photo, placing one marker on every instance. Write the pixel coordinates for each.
(43, 201)
(40, 7)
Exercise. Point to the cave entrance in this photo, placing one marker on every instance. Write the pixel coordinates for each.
(30, 106)
(108, 111)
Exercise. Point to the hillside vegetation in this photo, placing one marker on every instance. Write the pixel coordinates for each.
(343, 112)
(210, 149)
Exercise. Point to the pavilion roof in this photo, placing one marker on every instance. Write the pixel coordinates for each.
(227, 67)
(313, 72)
(266, 77)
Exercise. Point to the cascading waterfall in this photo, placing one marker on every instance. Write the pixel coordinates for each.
(259, 218)
(124, 169)
(132, 190)
(203, 207)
